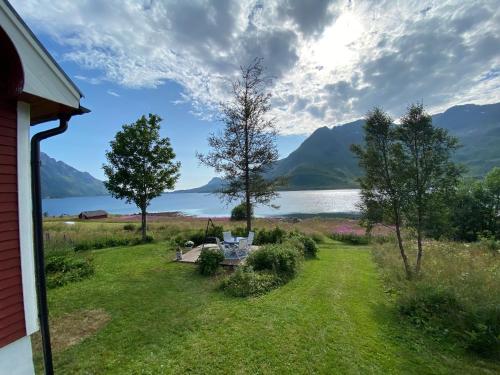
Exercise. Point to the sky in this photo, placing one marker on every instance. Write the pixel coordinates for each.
(331, 62)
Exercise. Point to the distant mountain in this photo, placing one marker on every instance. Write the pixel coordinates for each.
(60, 180)
(324, 159)
(212, 186)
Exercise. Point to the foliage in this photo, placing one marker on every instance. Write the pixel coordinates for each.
(198, 237)
(427, 169)
(246, 149)
(310, 248)
(382, 188)
(282, 259)
(453, 296)
(269, 236)
(102, 243)
(245, 282)
(336, 311)
(474, 208)
(209, 260)
(140, 164)
(305, 244)
(408, 172)
(63, 268)
(129, 227)
(351, 238)
(239, 212)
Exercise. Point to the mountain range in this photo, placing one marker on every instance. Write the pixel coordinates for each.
(59, 180)
(324, 159)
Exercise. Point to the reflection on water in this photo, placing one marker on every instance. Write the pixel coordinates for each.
(199, 204)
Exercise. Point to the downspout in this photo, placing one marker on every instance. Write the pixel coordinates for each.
(43, 311)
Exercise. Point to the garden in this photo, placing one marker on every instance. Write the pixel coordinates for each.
(348, 308)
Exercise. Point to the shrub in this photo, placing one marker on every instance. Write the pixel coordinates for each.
(239, 212)
(209, 260)
(310, 248)
(283, 260)
(427, 306)
(129, 227)
(483, 331)
(453, 295)
(62, 269)
(198, 237)
(273, 236)
(303, 243)
(318, 238)
(246, 282)
(351, 238)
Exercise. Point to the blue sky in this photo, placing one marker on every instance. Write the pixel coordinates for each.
(84, 144)
(332, 61)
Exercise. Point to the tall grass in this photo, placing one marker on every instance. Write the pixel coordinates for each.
(457, 294)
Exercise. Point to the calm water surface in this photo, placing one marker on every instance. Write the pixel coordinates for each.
(200, 204)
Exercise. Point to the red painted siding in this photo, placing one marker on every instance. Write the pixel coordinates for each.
(12, 325)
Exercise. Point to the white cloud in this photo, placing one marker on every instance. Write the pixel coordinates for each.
(332, 61)
(113, 93)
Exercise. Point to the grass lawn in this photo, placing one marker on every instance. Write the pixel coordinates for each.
(164, 318)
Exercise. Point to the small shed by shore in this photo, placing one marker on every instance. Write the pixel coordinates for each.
(97, 214)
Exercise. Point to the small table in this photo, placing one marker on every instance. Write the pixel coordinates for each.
(236, 241)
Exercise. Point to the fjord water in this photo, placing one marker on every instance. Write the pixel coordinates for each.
(209, 205)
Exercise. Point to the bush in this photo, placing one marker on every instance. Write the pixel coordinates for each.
(483, 331)
(239, 212)
(318, 238)
(129, 227)
(427, 306)
(310, 248)
(283, 260)
(62, 269)
(351, 238)
(209, 260)
(246, 282)
(303, 243)
(273, 236)
(198, 237)
(453, 295)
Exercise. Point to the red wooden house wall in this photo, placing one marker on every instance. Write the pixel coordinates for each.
(12, 322)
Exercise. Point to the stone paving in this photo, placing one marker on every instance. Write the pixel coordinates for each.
(192, 255)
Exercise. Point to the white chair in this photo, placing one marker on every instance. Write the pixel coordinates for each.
(228, 237)
(242, 250)
(251, 236)
(221, 246)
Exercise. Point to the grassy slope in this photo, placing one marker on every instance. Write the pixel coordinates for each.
(333, 318)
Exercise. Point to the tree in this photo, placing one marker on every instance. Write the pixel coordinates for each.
(382, 190)
(245, 150)
(492, 185)
(140, 164)
(426, 168)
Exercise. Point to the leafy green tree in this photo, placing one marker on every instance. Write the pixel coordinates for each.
(470, 212)
(246, 148)
(382, 189)
(426, 168)
(140, 164)
(492, 184)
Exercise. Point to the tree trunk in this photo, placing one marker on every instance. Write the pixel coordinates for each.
(400, 244)
(419, 245)
(247, 181)
(143, 223)
(249, 212)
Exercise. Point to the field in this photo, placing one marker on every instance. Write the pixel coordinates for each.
(143, 313)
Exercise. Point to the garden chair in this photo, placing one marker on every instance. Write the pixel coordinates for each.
(228, 237)
(251, 236)
(223, 248)
(242, 250)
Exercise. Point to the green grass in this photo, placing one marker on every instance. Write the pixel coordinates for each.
(165, 318)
